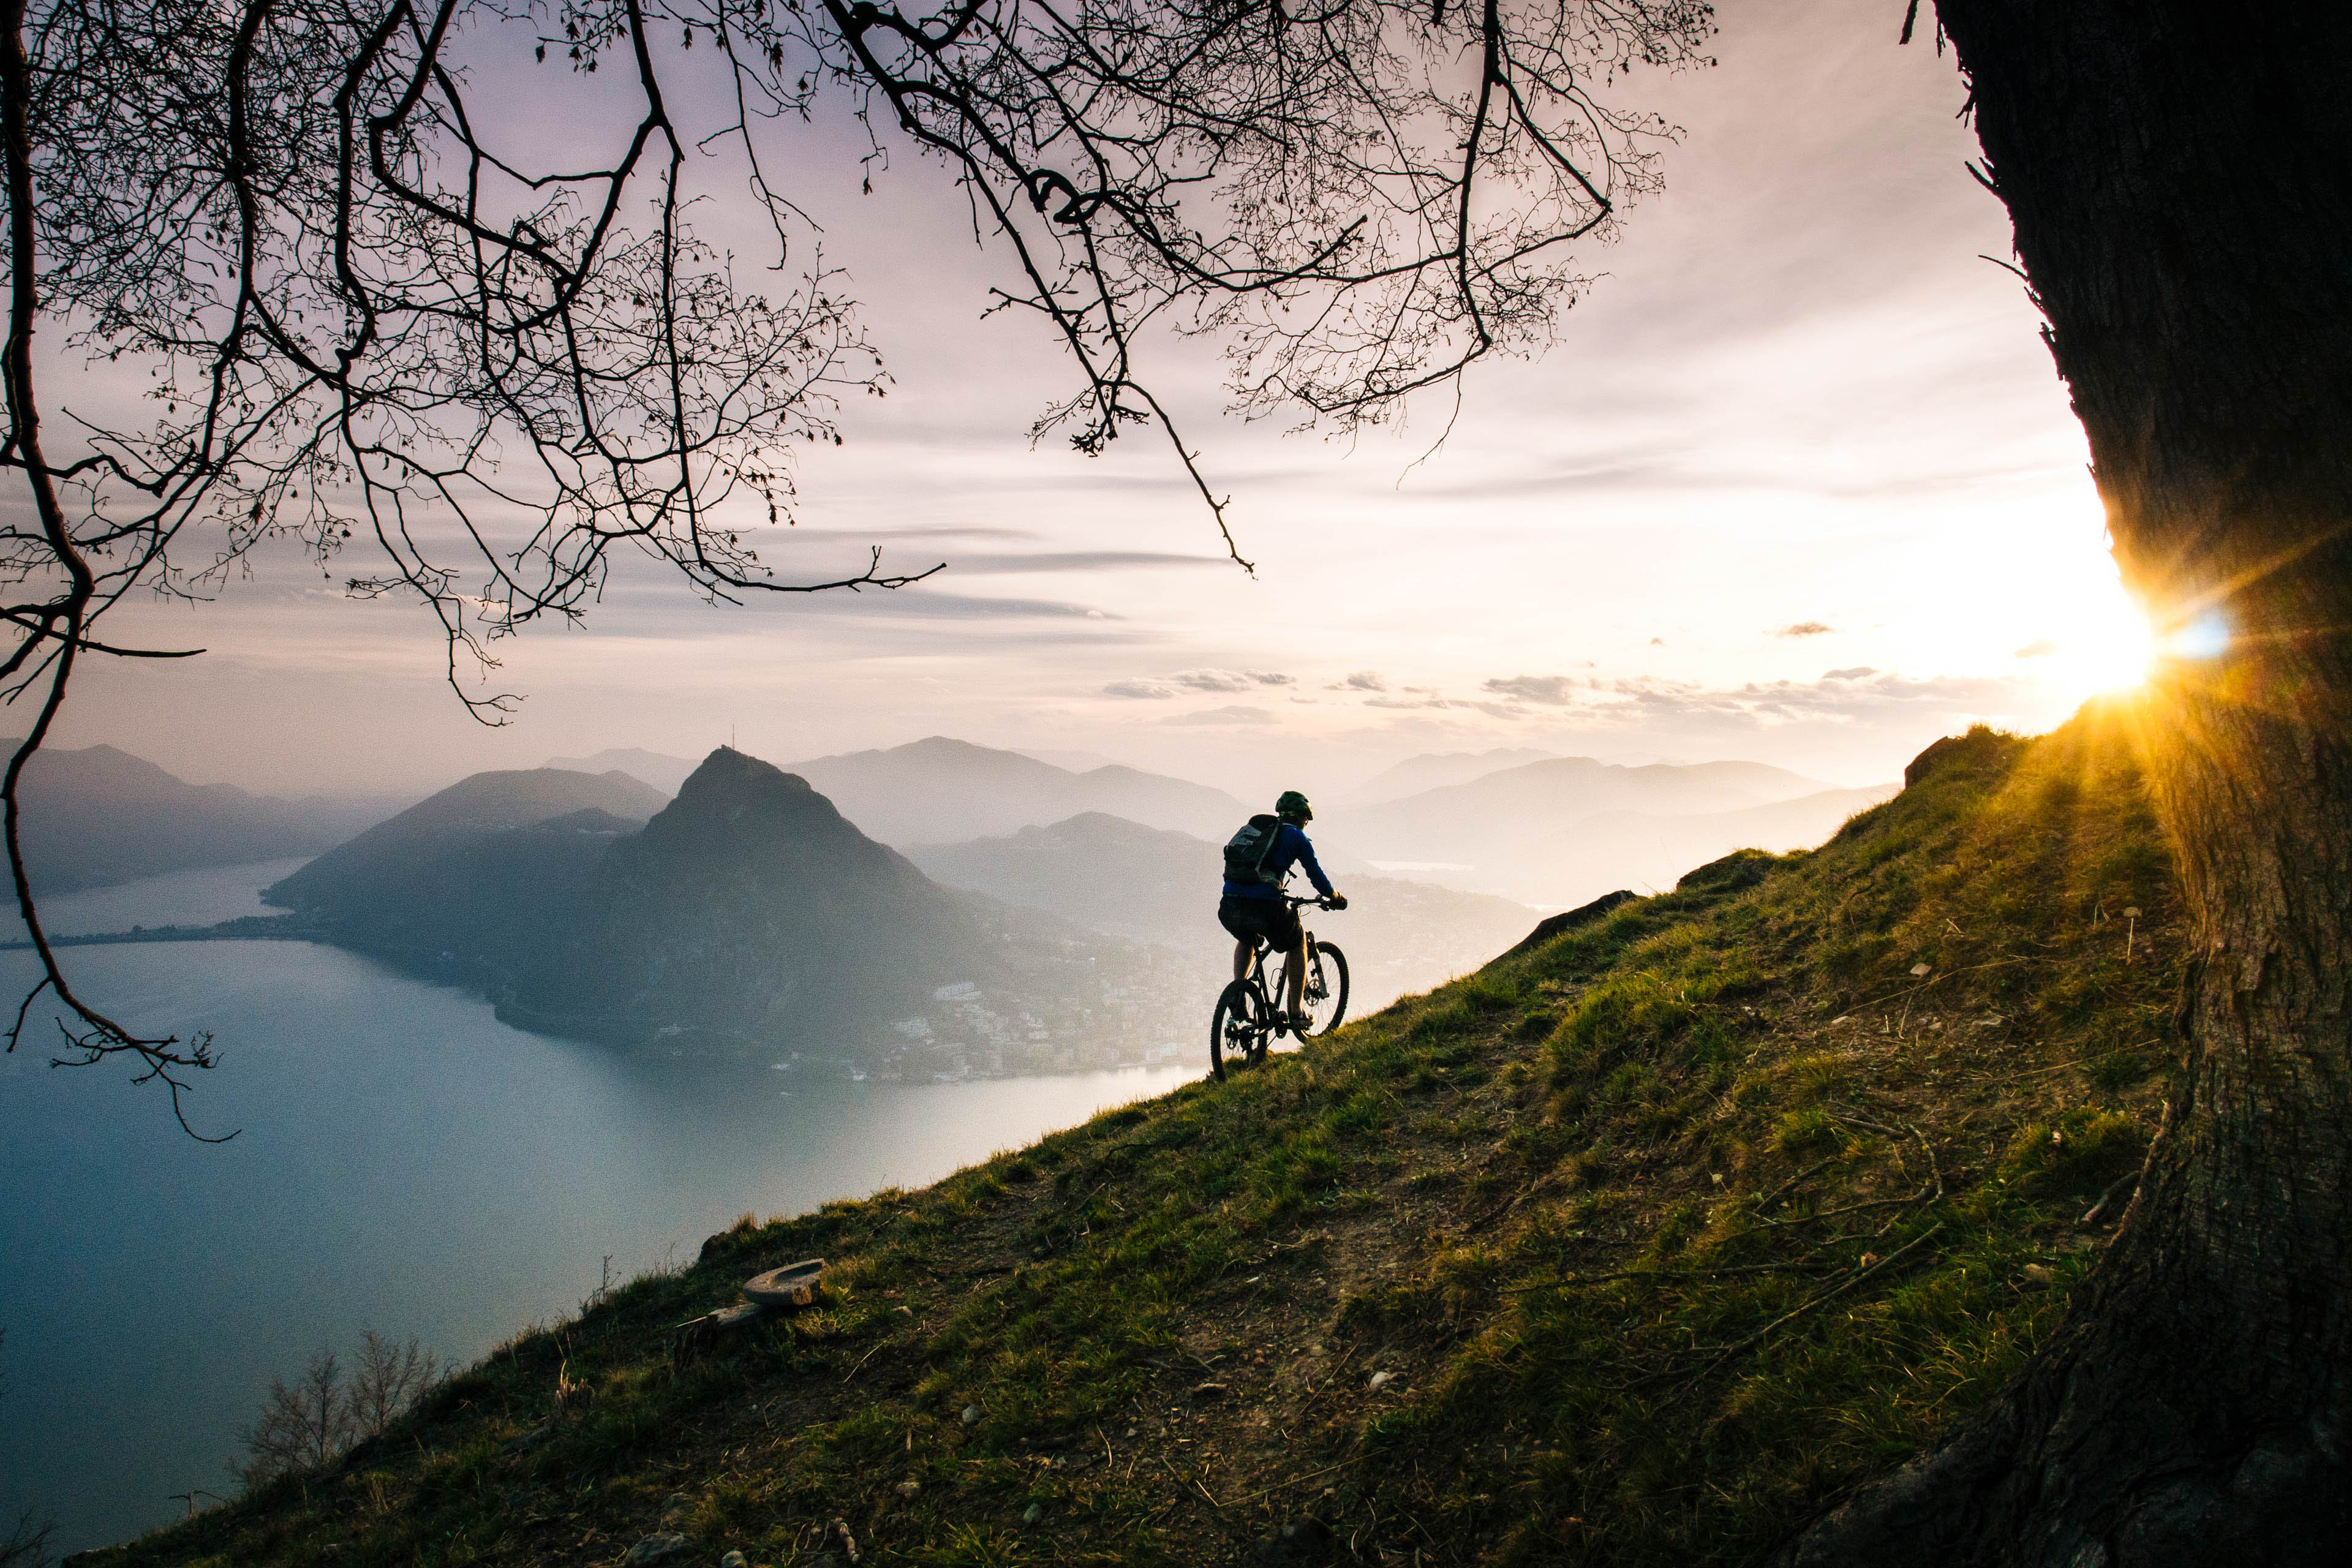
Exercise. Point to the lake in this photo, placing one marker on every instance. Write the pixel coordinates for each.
(403, 1163)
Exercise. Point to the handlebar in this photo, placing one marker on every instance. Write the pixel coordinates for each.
(1316, 898)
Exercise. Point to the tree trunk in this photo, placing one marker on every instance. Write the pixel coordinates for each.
(2179, 174)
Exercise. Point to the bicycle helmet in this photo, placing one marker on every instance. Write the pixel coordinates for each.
(1293, 807)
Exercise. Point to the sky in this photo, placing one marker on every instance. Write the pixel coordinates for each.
(1794, 483)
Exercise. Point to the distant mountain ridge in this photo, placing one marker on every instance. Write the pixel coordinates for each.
(749, 910)
(659, 768)
(98, 815)
(1560, 831)
(1435, 770)
(1162, 887)
(465, 881)
(745, 916)
(938, 791)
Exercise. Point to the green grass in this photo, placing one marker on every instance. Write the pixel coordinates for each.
(1664, 1234)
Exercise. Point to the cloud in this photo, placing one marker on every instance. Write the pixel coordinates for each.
(1658, 642)
(1148, 691)
(2040, 648)
(1041, 561)
(1805, 629)
(1493, 710)
(1362, 681)
(1551, 690)
(1235, 714)
(1212, 680)
(1859, 672)
(1270, 678)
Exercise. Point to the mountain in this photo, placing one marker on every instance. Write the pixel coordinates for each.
(659, 768)
(745, 916)
(98, 815)
(749, 910)
(1435, 770)
(940, 790)
(472, 880)
(1548, 832)
(1161, 887)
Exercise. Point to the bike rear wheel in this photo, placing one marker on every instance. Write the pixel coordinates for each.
(1325, 998)
(1238, 1028)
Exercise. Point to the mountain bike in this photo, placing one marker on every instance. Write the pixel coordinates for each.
(1246, 1020)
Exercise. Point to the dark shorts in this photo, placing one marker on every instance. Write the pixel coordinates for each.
(1270, 918)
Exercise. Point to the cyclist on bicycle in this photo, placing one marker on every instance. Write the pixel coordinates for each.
(1257, 862)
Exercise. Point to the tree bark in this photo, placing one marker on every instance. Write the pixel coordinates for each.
(2180, 175)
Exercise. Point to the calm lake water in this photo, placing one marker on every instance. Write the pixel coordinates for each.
(404, 1163)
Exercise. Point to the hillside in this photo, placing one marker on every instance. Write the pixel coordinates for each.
(1638, 1246)
(748, 912)
(461, 882)
(940, 790)
(97, 816)
(1156, 886)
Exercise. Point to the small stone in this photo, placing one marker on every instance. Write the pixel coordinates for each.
(1922, 968)
(1131, 1431)
(1033, 1513)
(1208, 1391)
(659, 1547)
(908, 1488)
(734, 1559)
(970, 1415)
(1380, 1380)
(2037, 1276)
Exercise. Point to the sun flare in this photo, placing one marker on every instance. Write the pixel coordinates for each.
(2110, 648)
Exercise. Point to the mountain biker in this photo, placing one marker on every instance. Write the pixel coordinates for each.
(1253, 904)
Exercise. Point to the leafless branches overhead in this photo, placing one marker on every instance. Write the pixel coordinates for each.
(361, 312)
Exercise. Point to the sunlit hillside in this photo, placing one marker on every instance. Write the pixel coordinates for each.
(1638, 1246)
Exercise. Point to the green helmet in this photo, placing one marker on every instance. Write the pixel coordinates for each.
(1293, 806)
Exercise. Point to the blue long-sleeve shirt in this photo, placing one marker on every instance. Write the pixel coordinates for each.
(1290, 849)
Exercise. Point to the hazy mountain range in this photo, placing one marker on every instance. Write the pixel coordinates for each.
(939, 791)
(1566, 829)
(745, 917)
(97, 816)
(1162, 887)
(765, 904)
(1435, 770)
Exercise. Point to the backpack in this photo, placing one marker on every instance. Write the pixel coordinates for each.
(1247, 852)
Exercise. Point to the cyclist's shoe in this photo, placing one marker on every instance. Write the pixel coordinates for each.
(1297, 1024)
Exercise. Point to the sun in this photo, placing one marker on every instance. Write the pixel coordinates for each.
(2110, 648)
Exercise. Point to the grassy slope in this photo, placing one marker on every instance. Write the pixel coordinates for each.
(1666, 1232)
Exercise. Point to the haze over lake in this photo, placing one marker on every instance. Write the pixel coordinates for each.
(403, 1161)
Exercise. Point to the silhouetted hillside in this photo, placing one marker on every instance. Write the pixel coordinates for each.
(473, 882)
(940, 790)
(1162, 887)
(98, 815)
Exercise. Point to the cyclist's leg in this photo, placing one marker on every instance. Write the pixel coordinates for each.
(1243, 950)
(1290, 940)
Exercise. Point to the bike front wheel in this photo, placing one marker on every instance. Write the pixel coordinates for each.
(1324, 998)
(1238, 1028)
